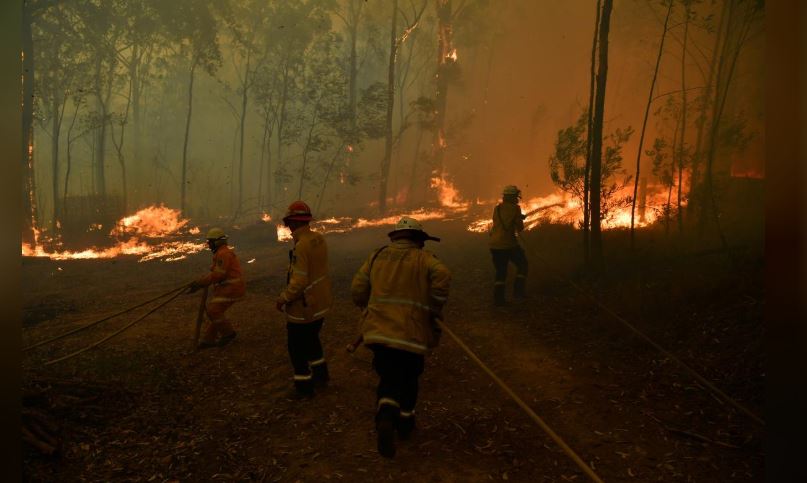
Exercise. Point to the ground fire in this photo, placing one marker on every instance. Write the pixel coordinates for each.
(408, 240)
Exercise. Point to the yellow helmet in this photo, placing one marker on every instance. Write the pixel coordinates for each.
(216, 234)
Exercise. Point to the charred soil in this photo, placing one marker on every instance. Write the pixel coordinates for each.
(145, 407)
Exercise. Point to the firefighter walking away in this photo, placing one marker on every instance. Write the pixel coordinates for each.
(228, 287)
(508, 221)
(305, 301)
(401, 289)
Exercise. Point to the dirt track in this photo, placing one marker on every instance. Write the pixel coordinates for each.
(141, 407)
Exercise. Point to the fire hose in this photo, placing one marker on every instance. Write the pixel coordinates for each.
(552, 434)
(176, 293)
(692, 372)
(104, 319)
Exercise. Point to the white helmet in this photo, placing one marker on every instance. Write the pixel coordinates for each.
(409, 224)
(511, 190)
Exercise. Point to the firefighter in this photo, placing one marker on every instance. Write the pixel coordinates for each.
(305, 301)
(401, 289)
(508, 221)
(228, 287)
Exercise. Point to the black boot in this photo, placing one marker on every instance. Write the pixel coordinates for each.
(320, 372)
(498, 295)
(386, 419)
(520, 288)
(302, 390)
(406, 424)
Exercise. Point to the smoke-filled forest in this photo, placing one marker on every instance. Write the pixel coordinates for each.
(631, 133)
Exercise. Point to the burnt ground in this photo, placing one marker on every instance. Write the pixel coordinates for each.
(143, 407)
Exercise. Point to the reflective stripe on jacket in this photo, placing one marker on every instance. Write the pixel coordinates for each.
(225, 276)
(507, 221)
(308, 288)
(401, 296)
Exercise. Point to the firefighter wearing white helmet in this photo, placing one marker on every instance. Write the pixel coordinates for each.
(401, 289)
(228, 287)
(508, 221)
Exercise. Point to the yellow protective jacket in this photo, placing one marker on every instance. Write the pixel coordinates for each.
(308, 287)
(401, 296)
(225, 276)
(507, 221)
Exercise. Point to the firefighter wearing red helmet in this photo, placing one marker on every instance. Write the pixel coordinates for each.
(305, 300)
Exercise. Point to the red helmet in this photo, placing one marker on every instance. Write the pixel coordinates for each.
(298, 211)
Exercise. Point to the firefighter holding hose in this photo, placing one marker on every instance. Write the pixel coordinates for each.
(305, 301)
(401, 289)
(228, 287)
(508, 221)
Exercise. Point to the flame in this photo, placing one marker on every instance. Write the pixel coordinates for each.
(154, 223)
(452, 55)
(559, 207)
(283, 233)
(448, 194)
(266, 217)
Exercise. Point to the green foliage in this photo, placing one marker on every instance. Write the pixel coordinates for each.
(567, 165)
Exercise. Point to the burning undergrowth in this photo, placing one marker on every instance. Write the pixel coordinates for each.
(153, 233)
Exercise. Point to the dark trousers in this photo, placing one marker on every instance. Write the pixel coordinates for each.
(501, 258)
(398, 373)
(305, 350)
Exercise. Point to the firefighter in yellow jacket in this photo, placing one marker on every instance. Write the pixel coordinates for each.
(508, 221)
(228, 287)
(401, 289)
(305, 300)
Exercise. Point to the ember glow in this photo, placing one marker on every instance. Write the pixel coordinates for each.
(145, 234)
(266, 217)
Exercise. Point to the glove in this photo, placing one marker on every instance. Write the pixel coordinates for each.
(279, 303)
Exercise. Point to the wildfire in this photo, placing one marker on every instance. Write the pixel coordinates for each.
(452, 55)
(448, 195)
(154, 223)
(266, 217)
(559, 207)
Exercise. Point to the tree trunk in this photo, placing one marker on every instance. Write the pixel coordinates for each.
(29, 213)
(306, 149)
(69, 158)
(644, 126)
(587, 173)
(385, 163)
(596, 144)
(445, 59)
(263, 154)
(328, 176)
(683, 129)
(182, 196)
(410, 195)
(697, 158)
(244, 96)
(54, 157)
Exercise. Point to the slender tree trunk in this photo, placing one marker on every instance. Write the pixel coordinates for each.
(69, 158)
(385, 163)
(244, 96)
(413, 177)
(596, 144)
(644, 127)
(281, 125)
(721, 95)
(182, 196)
(587, 174)
(328, 175)
(29, 214)
(54, 156)
(695, 192)
(263, 154)
(445, 59)
(683, 130)
(306, 149)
